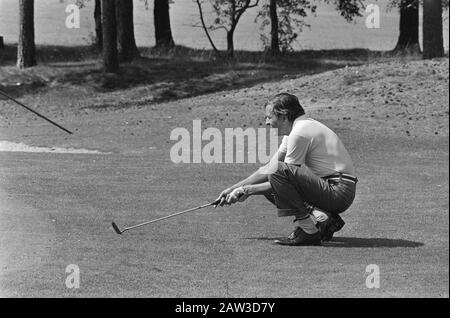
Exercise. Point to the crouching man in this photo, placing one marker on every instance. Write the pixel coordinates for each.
(311, 177)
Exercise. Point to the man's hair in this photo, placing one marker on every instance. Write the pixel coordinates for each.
(285, 104)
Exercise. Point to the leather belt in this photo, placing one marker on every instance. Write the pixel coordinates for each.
(342, 176)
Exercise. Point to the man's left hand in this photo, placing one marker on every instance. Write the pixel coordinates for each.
(237, 195)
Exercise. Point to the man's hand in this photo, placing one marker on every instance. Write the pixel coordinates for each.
(239, 194)
(223, 196)
(232, 195)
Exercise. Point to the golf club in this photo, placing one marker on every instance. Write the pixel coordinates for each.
(35, 112)
(119, 231)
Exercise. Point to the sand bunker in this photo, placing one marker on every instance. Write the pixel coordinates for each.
(7, 146)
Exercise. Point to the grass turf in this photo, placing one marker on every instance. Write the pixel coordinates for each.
(57, 209)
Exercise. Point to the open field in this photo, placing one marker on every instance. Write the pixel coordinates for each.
(56, 209)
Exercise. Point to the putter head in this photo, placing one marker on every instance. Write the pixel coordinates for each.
(116, 228)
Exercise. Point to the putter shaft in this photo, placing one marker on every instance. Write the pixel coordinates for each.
(118, 231)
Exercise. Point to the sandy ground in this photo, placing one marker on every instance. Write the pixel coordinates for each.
(57, 208)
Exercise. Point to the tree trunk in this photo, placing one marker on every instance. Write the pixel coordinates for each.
(432, 29)
(98, 25)
(408, 39)
(230, 32)
(109, 28)
(125, 30)
(230, 43)
(26, 49)
(274, 40)
(163, 32)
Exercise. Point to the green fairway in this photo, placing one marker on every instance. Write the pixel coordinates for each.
(57, 209)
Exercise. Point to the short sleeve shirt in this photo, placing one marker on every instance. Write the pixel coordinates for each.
(313, 144)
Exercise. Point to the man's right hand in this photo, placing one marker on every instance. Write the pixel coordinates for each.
(223, 197)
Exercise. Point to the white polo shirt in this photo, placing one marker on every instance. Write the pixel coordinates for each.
(313, 144)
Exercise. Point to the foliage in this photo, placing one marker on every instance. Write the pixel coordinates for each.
(228, 12)
(227, 16)
(291, 14)
(398, 3)
(80, 3)
(349, 9)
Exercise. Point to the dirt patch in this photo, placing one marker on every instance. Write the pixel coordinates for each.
(7, 146)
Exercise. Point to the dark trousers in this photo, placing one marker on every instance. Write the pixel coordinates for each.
(296, 188)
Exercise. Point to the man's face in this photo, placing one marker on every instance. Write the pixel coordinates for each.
(281, 123)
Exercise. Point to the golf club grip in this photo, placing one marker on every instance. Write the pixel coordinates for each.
(217, 202)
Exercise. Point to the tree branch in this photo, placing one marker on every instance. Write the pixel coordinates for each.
(213, 28)
(240, 12)
(247, 6)
(204, 26)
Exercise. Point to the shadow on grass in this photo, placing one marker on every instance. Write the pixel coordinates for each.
(167, 75)
(356, 242)
(370, 242)
(50, 54)
(59, 53)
